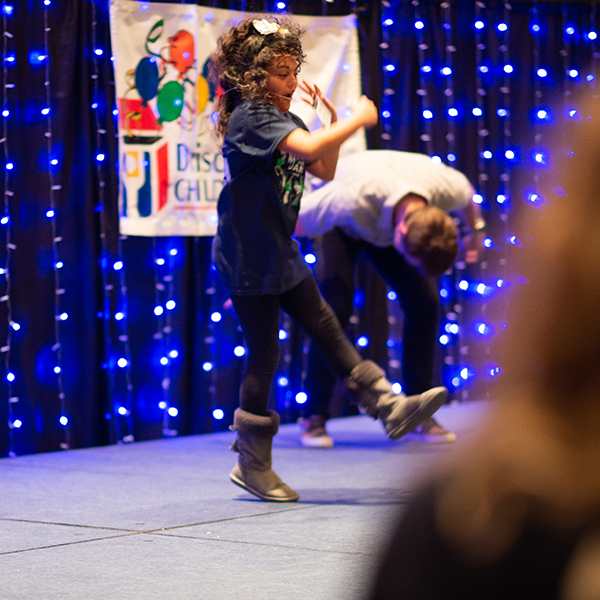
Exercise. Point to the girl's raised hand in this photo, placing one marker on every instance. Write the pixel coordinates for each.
(314, 94)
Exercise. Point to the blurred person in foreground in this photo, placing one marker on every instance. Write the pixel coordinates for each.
(516, 513)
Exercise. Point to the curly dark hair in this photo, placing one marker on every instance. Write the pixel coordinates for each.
(432, 239)
(243, 50)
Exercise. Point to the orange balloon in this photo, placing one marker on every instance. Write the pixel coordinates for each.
(182, 50)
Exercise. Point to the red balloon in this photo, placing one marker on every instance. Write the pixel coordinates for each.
(182, 50)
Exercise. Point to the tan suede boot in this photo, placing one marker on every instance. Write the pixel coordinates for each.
(367, 386)
(253, 470)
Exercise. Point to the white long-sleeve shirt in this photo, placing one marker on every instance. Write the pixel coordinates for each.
(367, 185)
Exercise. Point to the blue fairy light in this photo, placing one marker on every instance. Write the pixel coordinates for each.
(427, 114)
(310, 258)
(436, 160)
(50, 213)
(477, 112)
(63, 316)
(301, 397)
(479, 24)
(502, 27)
(57, 369)
(10, 376)
(452, 112)
(218, 414)
(99, 51)
(173, 412)
(122, 362)
(158, 310)
(216, 317)
(392, 295)
(63, 420)
(451, 157)
(362, 341)
(419, 25)
(446, 71)
(463, 284)
(570, 30)
(122, 411)
(173, 354)
(388, 22)
(171, 304)
(45, 111)
(502, 112)
(164, 361)
(508, 68)
(8, 9)
(5, 112)
(118, 265)
(239, 350)
(444, 339)
(282, 381)
(17, 423)
(592, 35)
(100, 157)
(207, 366)
(160, 261)
(541, 72)
(283, 334)
(487, 154)
(119, 316)
(509, 154)
(477, 199)
(15, 326)
(397, 387)
(573, 73)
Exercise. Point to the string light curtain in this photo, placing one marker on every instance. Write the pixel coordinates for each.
(107, 339)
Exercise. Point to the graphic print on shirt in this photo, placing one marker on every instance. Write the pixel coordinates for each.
(290, 173)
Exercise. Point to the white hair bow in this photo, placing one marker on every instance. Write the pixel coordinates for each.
(265, 27)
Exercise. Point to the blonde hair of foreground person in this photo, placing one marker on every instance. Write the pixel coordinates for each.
(537, 459)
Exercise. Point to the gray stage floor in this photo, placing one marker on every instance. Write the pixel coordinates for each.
(160, 520)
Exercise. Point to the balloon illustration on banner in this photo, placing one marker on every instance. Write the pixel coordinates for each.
(170, 101)
(149, 75)
(182, 51)
(146, 78)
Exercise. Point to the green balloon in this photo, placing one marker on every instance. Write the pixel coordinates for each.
(170, 101)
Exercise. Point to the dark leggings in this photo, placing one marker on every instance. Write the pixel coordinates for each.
(337, 254)
(259, 320)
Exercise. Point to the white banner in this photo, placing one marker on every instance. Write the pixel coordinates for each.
(171, 169)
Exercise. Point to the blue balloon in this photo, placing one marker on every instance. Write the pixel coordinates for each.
(146, 78)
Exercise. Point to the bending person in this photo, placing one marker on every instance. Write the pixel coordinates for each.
(393, 208)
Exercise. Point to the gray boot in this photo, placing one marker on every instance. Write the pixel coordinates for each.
(253, 470)
(367, 386)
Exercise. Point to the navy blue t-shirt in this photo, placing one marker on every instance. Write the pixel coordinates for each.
(253, 248)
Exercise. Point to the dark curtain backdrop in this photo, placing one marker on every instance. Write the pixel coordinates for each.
(86, 359)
